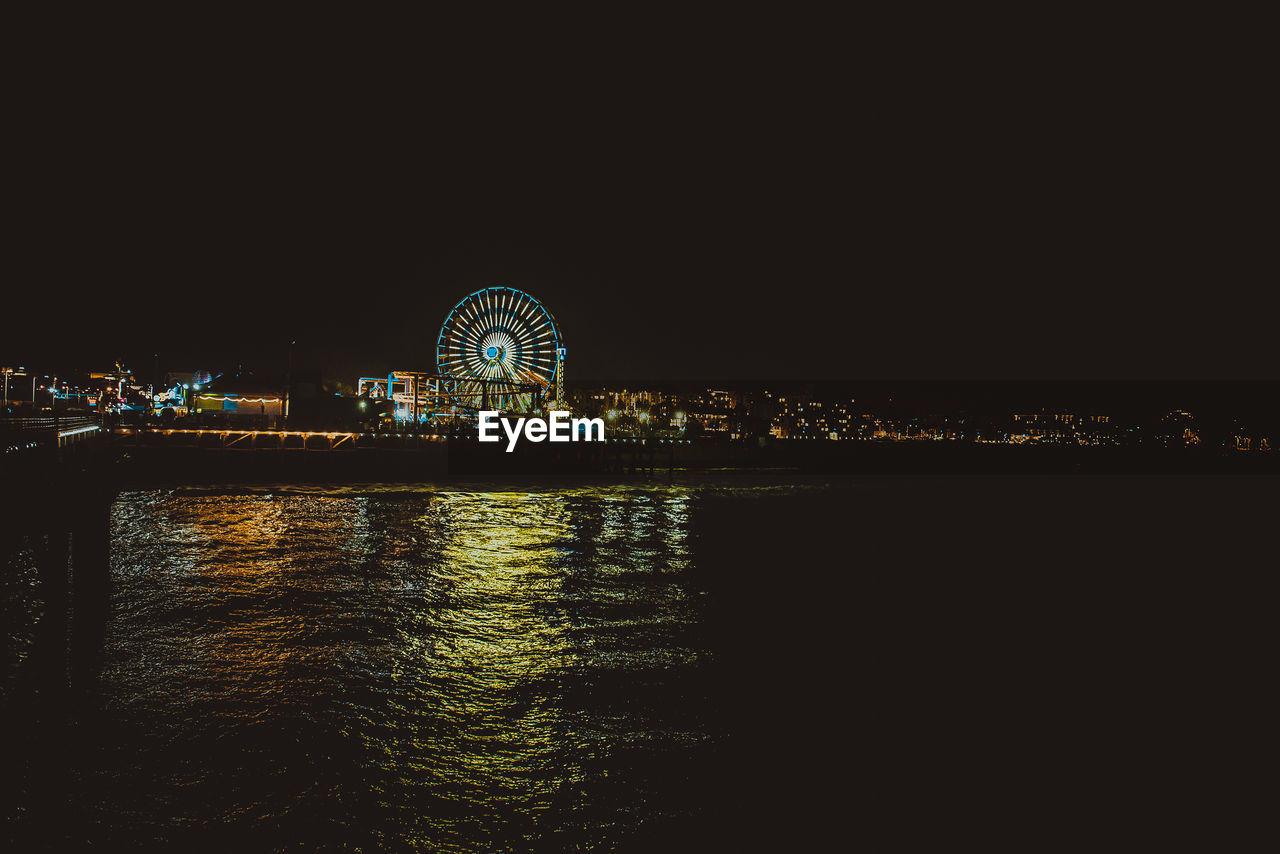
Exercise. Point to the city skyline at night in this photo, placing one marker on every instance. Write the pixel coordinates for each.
(783, 433)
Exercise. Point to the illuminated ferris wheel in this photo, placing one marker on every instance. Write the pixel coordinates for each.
(500, 334)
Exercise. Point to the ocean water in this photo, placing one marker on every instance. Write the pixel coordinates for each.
(461, 669)
(752, 661)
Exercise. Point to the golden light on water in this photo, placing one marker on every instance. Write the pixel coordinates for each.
(441, 647)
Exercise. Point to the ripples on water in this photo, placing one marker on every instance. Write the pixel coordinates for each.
(451, 669)
(744, 665)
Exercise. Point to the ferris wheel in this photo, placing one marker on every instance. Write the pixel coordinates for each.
(500, 334)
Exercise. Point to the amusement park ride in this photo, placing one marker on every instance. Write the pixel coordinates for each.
(499, 349)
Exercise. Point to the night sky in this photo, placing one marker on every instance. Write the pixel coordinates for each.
(918, 228)
(855, 300)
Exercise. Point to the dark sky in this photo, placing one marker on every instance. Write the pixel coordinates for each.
(928, 225)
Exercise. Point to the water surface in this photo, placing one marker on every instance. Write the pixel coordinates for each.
(726, 662)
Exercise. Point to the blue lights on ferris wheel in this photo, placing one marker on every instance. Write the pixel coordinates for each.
(500, 333)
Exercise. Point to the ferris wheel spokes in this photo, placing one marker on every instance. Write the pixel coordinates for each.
(500, 335)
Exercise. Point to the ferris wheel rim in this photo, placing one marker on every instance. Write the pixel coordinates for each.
(499, 333)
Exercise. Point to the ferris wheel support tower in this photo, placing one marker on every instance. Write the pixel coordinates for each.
(560, 402)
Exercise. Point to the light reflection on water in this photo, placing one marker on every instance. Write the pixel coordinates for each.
(684, 667)
(459, 670)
